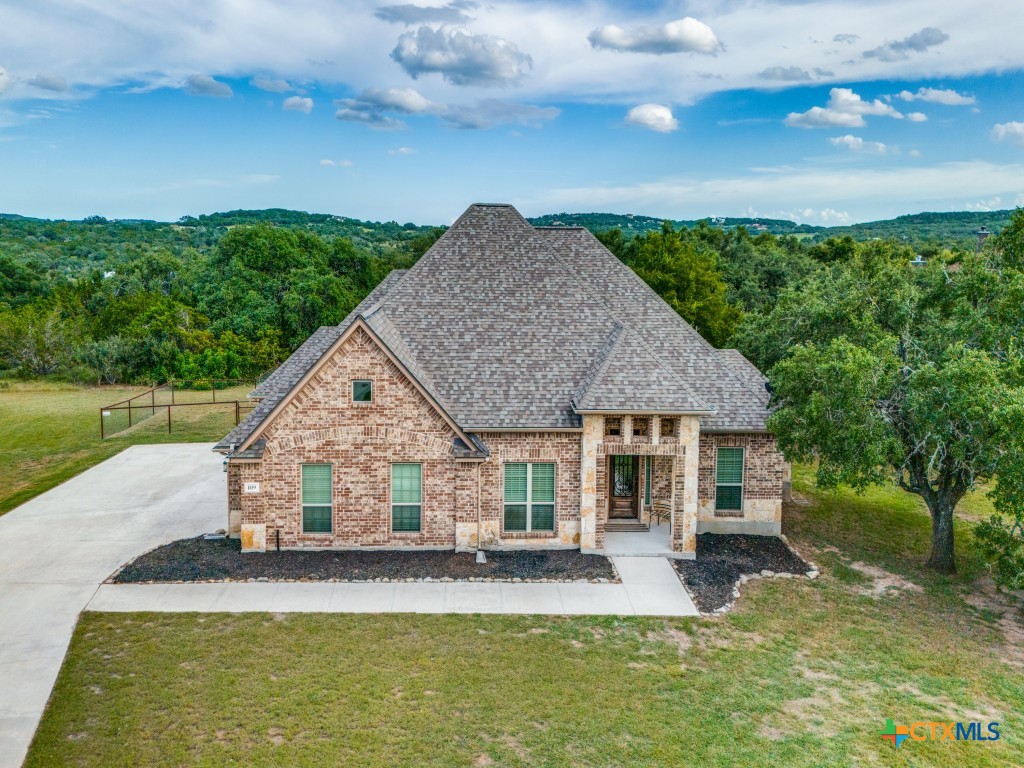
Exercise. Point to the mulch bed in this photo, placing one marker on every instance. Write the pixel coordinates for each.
(222, 560)
(723, 558)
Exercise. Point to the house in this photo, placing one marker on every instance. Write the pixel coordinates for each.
(518, 387)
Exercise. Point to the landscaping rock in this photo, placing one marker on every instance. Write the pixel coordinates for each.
(725, 560)
(194, 560)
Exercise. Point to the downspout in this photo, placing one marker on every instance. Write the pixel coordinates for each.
(480, 556)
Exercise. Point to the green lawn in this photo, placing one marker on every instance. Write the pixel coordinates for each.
(50, 432)
(800, 673)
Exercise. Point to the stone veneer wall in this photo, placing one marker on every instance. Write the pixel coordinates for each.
(763, 472)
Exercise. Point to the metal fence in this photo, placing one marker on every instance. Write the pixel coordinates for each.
(125, 414)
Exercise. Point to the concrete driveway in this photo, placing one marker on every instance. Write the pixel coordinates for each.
(57, 548)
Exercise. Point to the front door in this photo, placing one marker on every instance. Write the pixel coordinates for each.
(623, 486)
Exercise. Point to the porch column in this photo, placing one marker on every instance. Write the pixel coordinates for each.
(684, 508)
(593, 434)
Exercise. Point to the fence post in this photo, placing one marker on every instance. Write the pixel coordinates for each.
(172, 391)
(152, 402)
(129, 414)
(213, 388)
(102, 435)
(237, 410)
(168, 419)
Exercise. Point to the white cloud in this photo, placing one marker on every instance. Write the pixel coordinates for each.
(917, 117)
(402, 151)
(336, 163)
(375, 107)
(410, 14)
(460, 57)
(686, 35)
(857, 144)
(112, 44)
(302, 104)
(786, 74)
(488, 113)
(657, 117)
(5, 80)
(1012, 132)
(845, 109)
(204, 85)
(915, 43)
(946, 96)
(853, 190)
(408, 101)
(272, 84)
(47, 82)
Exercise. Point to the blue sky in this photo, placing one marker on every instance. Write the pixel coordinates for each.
(822, 112)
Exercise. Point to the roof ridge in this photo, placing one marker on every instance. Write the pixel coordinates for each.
(600, 364)
(586, 289)
(679, 319)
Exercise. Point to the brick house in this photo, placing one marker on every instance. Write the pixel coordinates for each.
(518, 387)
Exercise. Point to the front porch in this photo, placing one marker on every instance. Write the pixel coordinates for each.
(631, 466)
(656, 542)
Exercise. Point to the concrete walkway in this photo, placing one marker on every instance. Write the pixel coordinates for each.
(59, 547)
(649, 587)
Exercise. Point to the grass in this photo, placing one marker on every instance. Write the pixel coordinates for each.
(800, 673)
(50, 432)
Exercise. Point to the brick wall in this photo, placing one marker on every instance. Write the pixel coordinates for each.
(361, 441)
(561, 448)
(763, 468)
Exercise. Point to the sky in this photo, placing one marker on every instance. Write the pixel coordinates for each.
(822, 112)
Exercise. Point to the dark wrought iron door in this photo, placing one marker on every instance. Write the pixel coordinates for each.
(623, 486)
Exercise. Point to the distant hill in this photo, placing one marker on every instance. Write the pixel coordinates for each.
(633, 224)
(952, 228)
(96, 242)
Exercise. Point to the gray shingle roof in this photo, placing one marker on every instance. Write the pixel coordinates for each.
(740, 404)
(280, 382)
(508, 325)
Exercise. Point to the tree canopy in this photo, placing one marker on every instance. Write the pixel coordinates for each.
(885, 370)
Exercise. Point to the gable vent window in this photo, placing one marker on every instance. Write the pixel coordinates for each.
(529, 497)
(362, 391)
(729, 480)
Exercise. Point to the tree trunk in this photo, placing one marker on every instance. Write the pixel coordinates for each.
(941, 557)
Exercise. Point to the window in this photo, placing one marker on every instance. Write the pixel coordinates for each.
(316, 498)
(612, 427)
(406, 497)
(668, 427)
(729, 481)
(648, 460)
(529, 497)
(640, 427)
(362, 391)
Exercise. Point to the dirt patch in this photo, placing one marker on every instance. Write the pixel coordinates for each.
(1009, 619)
(222, 560)
(723, 558)
(882, 580)
(681, 640)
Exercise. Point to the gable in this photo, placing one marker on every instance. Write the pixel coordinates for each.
(322, 407)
